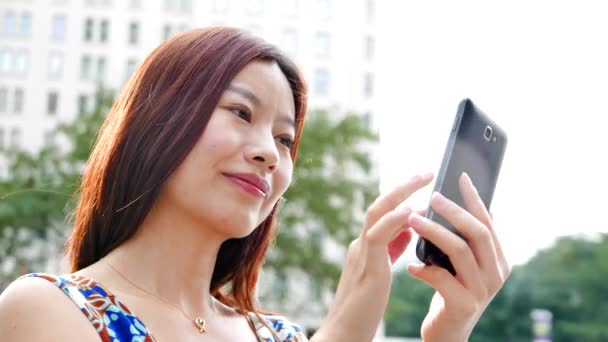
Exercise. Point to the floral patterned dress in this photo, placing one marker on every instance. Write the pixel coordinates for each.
(115, 322)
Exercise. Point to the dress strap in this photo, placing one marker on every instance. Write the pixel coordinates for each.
(282, 328)
(113, 321)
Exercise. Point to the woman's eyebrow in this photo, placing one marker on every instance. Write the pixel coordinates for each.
(246, 93)
(285, 118)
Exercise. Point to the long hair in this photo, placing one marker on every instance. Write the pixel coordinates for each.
(150, 129)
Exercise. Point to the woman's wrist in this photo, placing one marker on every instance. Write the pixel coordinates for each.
(445, 335)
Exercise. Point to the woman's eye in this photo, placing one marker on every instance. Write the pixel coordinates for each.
(287, 141)
(242, 113)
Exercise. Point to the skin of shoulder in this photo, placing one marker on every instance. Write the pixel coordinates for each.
(33, 309)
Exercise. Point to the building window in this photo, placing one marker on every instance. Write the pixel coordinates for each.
(58, 28)
(367, 119)
(220, 6)
(168, 5)
(18, 101)
(15, 137)
(49, 138)
(289, 42)
(255, 8)
(322, 45)
(83, 102)
(55, 64)
(323, 9)
(85, 67)
(131, 65)
(369, 48)
(3, 99)
(104, 31)
(88, 30)
(134, 33)
(52, 102)
(6, 61)
(22, 62)
(321, 82)
(10, 23)
(371, 11)
(186, 6)
(290, 8)
(368, 84)
(183, 28)
(26, 23)
(101, 69)
(166, 31)
(135, 4)
(255, 29)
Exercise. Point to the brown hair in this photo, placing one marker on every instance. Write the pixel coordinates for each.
(155, 122)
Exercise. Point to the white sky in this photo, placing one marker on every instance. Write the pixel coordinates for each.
(539, 68)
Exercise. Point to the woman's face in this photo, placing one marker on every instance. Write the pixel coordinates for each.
(241, 164)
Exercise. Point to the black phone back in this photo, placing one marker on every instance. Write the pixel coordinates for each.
(476, 146)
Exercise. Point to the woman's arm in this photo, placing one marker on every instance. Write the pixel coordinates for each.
(480, 264)
(364, 286)
(32, 309)
(365, 283)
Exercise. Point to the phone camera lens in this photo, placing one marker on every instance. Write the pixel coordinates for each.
(487, 133)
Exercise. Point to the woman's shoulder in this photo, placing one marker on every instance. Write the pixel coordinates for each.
(285, 329)
(32, 308)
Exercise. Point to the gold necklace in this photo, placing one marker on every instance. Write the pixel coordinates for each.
(199, 323)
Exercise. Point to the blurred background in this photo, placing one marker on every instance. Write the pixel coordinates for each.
(385, 78)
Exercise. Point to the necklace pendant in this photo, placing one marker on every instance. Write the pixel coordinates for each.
(200, 324)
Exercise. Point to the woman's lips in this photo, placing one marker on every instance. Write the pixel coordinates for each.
(247, 186)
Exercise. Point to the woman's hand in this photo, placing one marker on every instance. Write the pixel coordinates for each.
(481, 267)
(364, 286)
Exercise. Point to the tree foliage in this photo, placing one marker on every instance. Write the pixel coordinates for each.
(568, 279)
(331, 183)
(36, 196)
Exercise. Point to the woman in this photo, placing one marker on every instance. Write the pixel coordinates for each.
(177, 208)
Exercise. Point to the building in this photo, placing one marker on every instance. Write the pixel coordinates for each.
(55, 53)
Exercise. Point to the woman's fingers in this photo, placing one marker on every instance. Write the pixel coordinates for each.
(458, 251)
(398, 245)
(474, 231)
(387, 227)
(402, 239)
(477, 208)
(391, 200)
(473, 202)
(441, 280)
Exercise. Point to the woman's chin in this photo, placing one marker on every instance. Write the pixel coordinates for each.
(236, 231)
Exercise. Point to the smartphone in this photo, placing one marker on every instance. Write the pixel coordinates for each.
(476, 146)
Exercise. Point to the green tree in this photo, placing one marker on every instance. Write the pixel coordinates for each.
(568, 279)
(37, 195)
(324, 205)
(408, 305)
(331, 184)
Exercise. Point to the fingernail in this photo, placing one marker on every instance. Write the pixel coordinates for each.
(469, 181)
(438, 197)
(415, 219)
(405, 210)
(427, 176)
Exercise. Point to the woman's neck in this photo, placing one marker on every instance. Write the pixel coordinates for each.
(172, 257)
